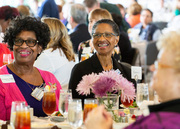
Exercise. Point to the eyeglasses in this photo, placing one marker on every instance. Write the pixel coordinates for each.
(29, 42)
(159, 65)
(105, 35)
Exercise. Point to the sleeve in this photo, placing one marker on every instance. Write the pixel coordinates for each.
(156, 35)
(44, 62)
(76, 77)
(2, 102)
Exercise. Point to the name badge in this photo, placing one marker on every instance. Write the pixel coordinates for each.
(37, 93)
(136, 72)
(7, 78)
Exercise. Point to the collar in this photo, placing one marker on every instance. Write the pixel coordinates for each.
(170, 106)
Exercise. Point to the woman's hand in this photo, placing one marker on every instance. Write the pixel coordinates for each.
(99, 118)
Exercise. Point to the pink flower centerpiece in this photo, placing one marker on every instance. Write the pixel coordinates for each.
(106, 83)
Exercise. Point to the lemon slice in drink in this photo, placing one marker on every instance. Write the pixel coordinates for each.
(127, 111)
(47, 88)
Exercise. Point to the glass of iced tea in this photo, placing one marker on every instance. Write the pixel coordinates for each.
(7, 59)
(23, 119)
(49, 102)
(89, 104)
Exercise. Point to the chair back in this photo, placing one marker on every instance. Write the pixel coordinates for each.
(135, 53)
(151, 53)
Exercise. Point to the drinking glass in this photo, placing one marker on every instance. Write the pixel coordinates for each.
(7, 59)
(142, 93)
(49, 102)
(23, 119)
(75, 117)
(64, 98)
(89, 104)
(14, 106)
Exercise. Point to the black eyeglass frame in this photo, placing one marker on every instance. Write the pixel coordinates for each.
(26, 41)
(103, 34)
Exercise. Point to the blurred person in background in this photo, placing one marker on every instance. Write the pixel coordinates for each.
(23, 10)
(49, 9)
(77, 20)
(134, 13)
(177, 10)
(167, 113)
(122, 10)
(27, 37)
(148, 30)
(7, 13)
(59, 57)
(112, 8)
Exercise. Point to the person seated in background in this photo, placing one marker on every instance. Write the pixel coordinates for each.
(48, 8)
(112, 8)
(134, 12)
(23, 10)
(59, 57)
(7, 13)
(86, 48)
(148, 30)
(77, 20)
(165, 82)
(122, 10)
(105, 36)
(27, 37)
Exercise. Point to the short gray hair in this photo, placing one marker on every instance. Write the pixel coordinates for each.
(78, 12)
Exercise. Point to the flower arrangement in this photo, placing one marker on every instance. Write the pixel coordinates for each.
(105, 83)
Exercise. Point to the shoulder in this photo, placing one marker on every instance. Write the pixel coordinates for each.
(138, 26)
(160, 120)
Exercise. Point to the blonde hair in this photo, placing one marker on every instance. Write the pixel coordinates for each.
(134, 9)
(171, 40)
(23, 10)
(100, 13)
(59, 37)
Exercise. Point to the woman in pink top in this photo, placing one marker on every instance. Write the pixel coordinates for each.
(27, 37)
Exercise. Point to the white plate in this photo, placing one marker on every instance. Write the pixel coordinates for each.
(64, 125)
(57, 119)
(41, 125)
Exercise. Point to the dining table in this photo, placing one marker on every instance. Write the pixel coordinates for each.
(45, 123)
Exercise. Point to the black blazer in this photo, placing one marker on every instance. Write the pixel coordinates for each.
(93, 65)
(80, 34)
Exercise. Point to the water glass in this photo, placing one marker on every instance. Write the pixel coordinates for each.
(7, 59)
(89, 104)
(75, 117)
(23, 119)
(64, 98)
(15, 105)
(142, 93)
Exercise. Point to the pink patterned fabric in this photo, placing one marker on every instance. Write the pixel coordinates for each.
(10, 92)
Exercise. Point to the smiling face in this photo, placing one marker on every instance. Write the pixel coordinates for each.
(24, 54)
(104, 45)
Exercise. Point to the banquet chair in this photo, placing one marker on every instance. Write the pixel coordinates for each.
(134, 55)
(151, 53)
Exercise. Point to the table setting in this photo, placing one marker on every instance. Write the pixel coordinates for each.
(71, 114)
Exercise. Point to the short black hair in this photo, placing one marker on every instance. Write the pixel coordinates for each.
(107, 21)
(27, 23)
